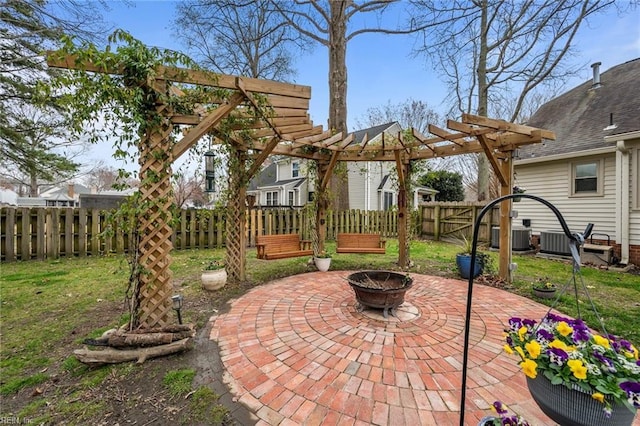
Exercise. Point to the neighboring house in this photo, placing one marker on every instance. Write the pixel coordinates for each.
(372, 184)
(8, 197)
(591, 172)
(56, 196)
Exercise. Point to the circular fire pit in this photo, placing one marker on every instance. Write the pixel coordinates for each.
(380, 289)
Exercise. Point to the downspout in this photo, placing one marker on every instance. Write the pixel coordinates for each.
(622, 200)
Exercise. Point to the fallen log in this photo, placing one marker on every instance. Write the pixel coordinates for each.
(121, 340)
(171, 328)
(140, 355)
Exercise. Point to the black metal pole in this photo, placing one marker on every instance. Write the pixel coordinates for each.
(573, 237)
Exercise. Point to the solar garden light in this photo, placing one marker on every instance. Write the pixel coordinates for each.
(177, 300)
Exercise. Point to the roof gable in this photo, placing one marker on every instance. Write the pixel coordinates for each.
(580, 116)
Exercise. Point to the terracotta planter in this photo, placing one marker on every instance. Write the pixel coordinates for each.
(214, 280)
(322, 263)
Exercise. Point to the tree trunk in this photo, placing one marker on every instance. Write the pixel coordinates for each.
(483, 163)
(339, 182)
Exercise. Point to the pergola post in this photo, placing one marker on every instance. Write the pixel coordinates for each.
(154, 226)
(505, 219)
(324, 170)
(402, 166)
(235, 235)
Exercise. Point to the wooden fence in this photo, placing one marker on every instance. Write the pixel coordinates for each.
(49, 233)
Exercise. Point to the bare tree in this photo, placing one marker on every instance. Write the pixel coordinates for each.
(410, 113)
(235, 37)
(333, 24)
(494, 53)
(188, 188)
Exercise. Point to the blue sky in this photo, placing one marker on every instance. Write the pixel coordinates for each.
(380, 68)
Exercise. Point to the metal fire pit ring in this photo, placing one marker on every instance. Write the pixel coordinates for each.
(380, 290)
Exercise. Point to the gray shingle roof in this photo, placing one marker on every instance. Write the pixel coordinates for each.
(579, 116)
(374, 131)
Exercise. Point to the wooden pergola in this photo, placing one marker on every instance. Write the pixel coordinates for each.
(283, 127)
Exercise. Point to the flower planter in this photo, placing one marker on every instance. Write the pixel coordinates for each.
(463, 261)
(214, 279)
(322, 263)
(574, 407)
(544, 293)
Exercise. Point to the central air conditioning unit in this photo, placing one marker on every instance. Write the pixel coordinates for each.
(554, 242)
(520, 238)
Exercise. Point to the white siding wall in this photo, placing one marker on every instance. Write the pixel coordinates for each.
(552, 181)
(357, 183)
(359, 188)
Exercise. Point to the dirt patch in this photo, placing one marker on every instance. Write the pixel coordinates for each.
(133, 394)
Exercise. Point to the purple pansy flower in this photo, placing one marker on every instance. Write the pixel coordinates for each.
(499, 407)
(604, 360)
(543, 336)
(626, 345)
(633, 392)
(515, 323)
(557, 356)
(529, 323)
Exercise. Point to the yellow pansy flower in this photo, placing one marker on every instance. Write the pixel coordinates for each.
(533, 347)
(520, 351)
(529, 367)
(577, 368)
(558, 344)
(508, 349)
(601, 341)
(522, 331)
(564, 328)
(598, 397)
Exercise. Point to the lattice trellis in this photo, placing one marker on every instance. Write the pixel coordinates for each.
(235, 223)
(155, 229)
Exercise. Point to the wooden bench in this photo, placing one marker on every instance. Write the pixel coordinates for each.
(281, 246)
(360, 243)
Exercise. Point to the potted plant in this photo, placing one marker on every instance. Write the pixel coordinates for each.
(322, 261)
(544, 289)
(503, 417)
(577, 376)
(463, 260)
(214, 276)
(517, 190)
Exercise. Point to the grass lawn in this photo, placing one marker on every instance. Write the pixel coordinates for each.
(48, 308)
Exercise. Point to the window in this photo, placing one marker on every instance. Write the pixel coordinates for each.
(295, 169)
(291, 198)
(587, 178)
(272, 198)
(388, 200)
(311, 195)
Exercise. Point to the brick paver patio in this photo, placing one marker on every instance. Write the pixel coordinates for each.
(296, 351)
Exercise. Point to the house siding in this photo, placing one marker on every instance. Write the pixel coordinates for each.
(552, 181)
(357, 186)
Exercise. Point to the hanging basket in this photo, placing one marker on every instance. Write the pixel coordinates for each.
(574, 407)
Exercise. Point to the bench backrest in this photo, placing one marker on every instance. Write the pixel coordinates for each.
(277, 243)
(358, 240)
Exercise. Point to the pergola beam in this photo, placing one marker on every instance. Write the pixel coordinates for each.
(206, 125)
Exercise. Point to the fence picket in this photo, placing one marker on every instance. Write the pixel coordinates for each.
(48, 233)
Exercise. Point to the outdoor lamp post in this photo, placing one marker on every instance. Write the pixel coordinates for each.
(209, 171)
(177, 305)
